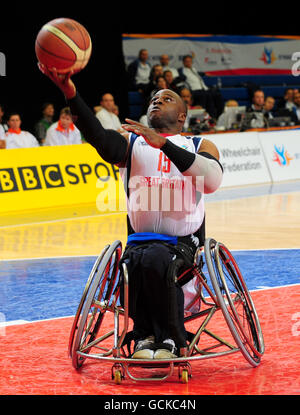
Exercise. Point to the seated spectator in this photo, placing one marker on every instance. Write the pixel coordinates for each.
(268, 108)
(63, 132)
(187, 97)
(287, 101)
(3, 125)
(164, 61)
(172, 83)
(159, 84)
(156, 71)
(45, 122)
(258, 101)
(257, 119)
(15, 137)
(194, 124)
(107, 113)
(210, 99)
(296, 108)
(221, 122)
(139, 72)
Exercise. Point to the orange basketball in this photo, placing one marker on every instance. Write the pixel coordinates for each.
(63, 44)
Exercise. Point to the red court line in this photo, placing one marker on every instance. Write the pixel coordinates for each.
(34, 360)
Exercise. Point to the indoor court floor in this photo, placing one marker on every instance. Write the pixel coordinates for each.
(45, 260)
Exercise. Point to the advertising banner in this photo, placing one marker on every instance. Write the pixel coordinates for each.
(282, 153)
(242, 158)
(220, 55)
(55, 176)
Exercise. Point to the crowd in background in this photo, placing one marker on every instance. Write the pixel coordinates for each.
(206, 102)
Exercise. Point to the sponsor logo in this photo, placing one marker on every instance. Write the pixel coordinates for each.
(268, 56)
(281, 156)
(52, 176)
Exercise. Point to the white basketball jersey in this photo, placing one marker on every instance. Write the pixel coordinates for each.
(160, 199)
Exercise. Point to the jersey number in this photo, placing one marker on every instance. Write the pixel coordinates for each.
(164, 163)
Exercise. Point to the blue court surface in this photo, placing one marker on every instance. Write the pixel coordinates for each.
(38, 289)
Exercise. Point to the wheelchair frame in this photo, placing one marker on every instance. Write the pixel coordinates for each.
(228, 293)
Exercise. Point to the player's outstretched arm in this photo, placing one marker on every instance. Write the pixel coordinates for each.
(111, 145)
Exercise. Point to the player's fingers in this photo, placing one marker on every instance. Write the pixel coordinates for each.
(138, 124)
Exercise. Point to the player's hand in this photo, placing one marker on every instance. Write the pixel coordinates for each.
(63, 81)
(153, 139)
(2, 144)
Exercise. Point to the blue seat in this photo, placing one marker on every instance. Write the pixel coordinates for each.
(135, 112)
(135, 98)
(234, 93)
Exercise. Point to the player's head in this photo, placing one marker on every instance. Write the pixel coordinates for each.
(166, 111)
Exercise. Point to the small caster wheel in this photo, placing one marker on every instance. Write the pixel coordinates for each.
(184, 376)
(118, 377)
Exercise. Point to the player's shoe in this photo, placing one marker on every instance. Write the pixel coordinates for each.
(144, 349)
(166, 350)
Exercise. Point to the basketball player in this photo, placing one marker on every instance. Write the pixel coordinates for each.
(163, 240)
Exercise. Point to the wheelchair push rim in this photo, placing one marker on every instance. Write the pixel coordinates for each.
(235, 301)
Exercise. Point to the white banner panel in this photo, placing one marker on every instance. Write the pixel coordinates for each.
(282, 153)
(216, 54)
(242, 158)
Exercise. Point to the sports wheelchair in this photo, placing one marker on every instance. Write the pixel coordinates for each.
(101, 327)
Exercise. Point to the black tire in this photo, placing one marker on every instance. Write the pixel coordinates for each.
(235, 301)
(105, 290)
(83, 298)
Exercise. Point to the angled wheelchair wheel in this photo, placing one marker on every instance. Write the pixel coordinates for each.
(83, 298)
(235, 300)
(102, 297)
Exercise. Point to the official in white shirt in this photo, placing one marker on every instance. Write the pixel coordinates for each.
(209, 99)
(15, 137)
(63, 132)
(107, 113)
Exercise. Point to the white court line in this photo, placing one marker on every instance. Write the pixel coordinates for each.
(95, 255)
(60, 220)
(20, 322)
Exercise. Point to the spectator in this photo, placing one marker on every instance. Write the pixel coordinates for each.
(159, 84)
(258, 101)
(296, 108)
(107, 114)
(155, 72)
(172, 83)
(211, 100)
(192, 123)
(139, 72)
(187, 97)
(63, 132)
(164, 61)
(45, 122)
(15, 137)
(221, 123)
(269, 107)
(3, 126)
(287, 102)
(255, 115)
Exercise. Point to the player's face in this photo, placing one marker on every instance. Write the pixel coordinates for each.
(164, 109)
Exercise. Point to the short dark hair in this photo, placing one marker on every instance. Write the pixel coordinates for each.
(66, 111)
(46, 104)
(186, 56)
(11, 114)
